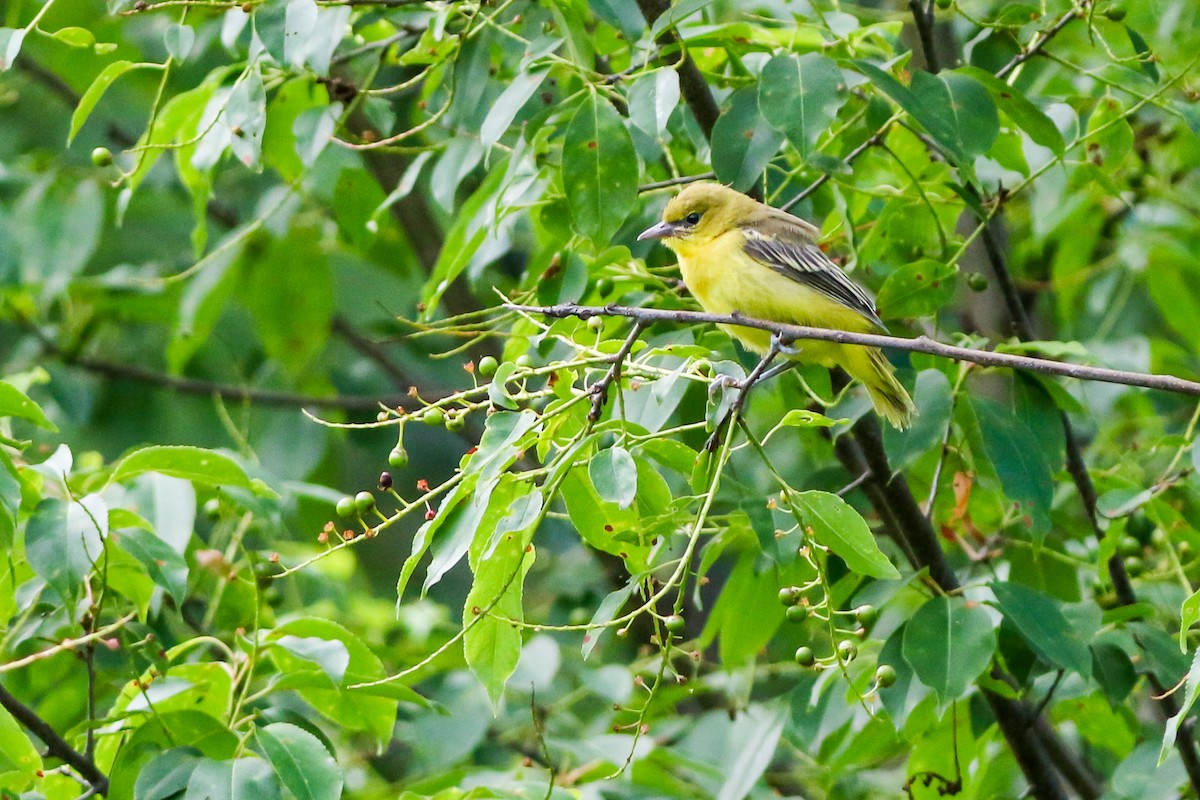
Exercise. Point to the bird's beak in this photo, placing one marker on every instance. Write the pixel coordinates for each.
(663, 230)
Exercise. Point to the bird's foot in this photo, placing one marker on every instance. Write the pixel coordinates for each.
(722, 382)
(785, 347)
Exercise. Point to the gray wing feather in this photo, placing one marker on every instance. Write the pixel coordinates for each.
(804, 262)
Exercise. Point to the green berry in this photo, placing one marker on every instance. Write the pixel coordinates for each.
(345, 507)
(977, 281)
(944, 4)
(674, 623)
(434, 417)
(102, 157)
(1134, 566)
(604, 286)
(595, 323)
(1129, 546)
(790, 595)
(805, 657)
(487, 366)
(866, 615)
(364, 501)
(847, 650)
(212, 507)
(885, 676)
(398, 458)
(456, 422)
(797, 613)
(524, 361)
(1116, 12)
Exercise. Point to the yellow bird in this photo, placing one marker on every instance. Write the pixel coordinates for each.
(740, 256)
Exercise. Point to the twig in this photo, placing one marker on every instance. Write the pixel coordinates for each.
(921, 344)
(692, 86)
(56, 745)
(66, 644)
(599, 389)
(923, 16)
(680, 181)
(739, 402)
(1039, 42)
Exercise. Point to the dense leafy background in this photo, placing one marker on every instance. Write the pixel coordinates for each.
(588, 608)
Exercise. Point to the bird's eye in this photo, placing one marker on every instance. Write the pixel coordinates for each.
(692, 218)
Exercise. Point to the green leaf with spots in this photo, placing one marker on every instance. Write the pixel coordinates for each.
(599, 169)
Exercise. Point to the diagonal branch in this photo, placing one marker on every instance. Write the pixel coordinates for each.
(921, 344)
(56, 745)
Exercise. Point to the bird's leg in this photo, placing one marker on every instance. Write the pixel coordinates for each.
(757, 374)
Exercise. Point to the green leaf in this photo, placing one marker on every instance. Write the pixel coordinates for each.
(492, 644)
(301, 761)
(1043, 624)
(599, 169)
(74, 37)
(20, 763)
(1109, 135)
(839, 527)
(167, 775)
(241, 779)
(505, 108)
(614, 474)
(10, 46)
(463, 240)
(1190, 692)
(331, 655)
(246, 117)
(1017, 107)
(919, 289)
(64, 540)
(163, 564)
(800, 97)
(653, 97)
(948, 642)
(754, 737)
(954, 108)
(14, 403)
(1189, 615)
(603, 525)
(1145, 58)
(178, 39)
(10, 500)
(743, 143)
(1019, 461)
(605, 613)
(194, 464)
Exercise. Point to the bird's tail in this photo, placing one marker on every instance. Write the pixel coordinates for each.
(890, 399)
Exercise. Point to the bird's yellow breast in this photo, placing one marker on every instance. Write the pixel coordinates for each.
(725, 279)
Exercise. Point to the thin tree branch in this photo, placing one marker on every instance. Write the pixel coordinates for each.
(650, 187)
(692, 86)
(56, 745)
(1039, 41)
(921, 344)
(599, 389)
(923, 17)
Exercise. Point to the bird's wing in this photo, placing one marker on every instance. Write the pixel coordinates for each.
(786, 245)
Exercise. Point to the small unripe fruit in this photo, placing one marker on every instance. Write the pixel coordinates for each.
(805, 656)
(398, 458)
(1129, 546)
(385, 480)
(797, 613)
(1116, 12)
(1134, 566)
(847, 650)
(604, 286)
(102, 157)
(524, 361)
(212, 507)
(866, 615)
(487, 366)
(345, 507)
(595, 323)
(944, 4)
(434, 417)
(885, 676)
(364, 501)
(790, 595)
(977, 281)
(674, 623)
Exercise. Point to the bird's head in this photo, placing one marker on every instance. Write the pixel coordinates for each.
(699, 214)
